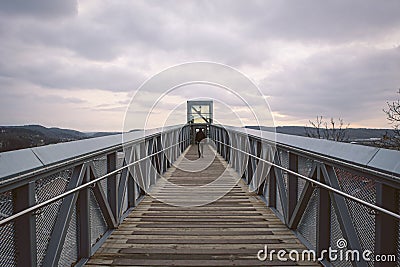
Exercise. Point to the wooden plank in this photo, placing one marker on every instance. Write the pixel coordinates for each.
(229, 231)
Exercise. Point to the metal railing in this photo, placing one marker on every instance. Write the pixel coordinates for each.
(59, 203)
(323, 190)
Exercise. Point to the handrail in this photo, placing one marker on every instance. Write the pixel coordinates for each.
(247, 132)
(78, 188)
(329, 188)
(326, 201)
(57, 165)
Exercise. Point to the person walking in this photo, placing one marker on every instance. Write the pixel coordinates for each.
(200, 146)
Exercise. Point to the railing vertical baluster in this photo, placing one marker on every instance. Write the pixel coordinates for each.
(25, 226)
(131, 191)
(292, 185)
(323, 216)
(272, 188)
(386, 227)
(250, 160)
(159, 156)
(112, 184)
(83, 209)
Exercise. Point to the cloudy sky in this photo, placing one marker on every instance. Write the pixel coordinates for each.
(76, 64)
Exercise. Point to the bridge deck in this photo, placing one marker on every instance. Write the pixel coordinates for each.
(229, 231)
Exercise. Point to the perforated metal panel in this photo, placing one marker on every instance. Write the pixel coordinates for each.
(278, 201)
(308, 224)
(98, 226)
(69, 254)
(364, 222)
(304, 168)
(266, 192)
(336, 234)
(7, 237)
(284, 159)
(100, 166)
(45, 189)
(358, 186)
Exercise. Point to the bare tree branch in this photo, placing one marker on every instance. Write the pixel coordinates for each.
(393, 116)
(333, 130)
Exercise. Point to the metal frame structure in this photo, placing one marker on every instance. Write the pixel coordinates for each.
(207, 117)
(59, 203)
(322, 190)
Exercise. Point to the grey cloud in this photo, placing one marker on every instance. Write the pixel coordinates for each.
(143, 26)
(116, 45)
(350, 83)
(50, 70)
(39, 8)
(313, 21)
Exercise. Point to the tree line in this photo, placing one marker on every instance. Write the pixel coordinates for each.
(336, 130)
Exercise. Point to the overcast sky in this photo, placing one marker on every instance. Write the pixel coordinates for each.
(76, 64)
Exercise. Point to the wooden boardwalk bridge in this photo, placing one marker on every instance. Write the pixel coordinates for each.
(150, 201)
(227, 232)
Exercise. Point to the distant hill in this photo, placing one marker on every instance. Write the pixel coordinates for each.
(352, 134)
(18, 137)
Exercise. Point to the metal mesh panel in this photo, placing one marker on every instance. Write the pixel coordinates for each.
(120, 159)
(308, 225)
(47, 188)
(300, 186)
(304, 168)
(358, 186)
(363, 220)
(284, 158)
(364, 223)
(305, 165)
(266, 192)
(69, 253)
(278, 202)
(125, 200)
(7, 237)
(336, 234)
(98, 225)
(100, 167)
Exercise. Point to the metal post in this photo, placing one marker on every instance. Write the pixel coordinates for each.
(292, 185)
(386, 227)
(249, 170)
(272, 188)
(112, 184)
(131, 191)
(84, 219)
(323, 216)
(25, 226)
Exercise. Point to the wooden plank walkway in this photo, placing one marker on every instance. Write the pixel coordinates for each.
(227, 232)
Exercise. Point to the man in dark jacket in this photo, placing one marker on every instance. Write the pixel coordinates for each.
(200, 136)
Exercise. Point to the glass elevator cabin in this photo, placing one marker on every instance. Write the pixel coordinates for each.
(199, 116)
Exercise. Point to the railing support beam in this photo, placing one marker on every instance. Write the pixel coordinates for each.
(386, 227)
(272, 188)
(323, 216)
(112, 184)
(292, 186)
(64, 217)
(84, 247)
(25, 226)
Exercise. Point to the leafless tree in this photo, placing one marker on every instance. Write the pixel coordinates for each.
(332, 130)
(392, 141)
